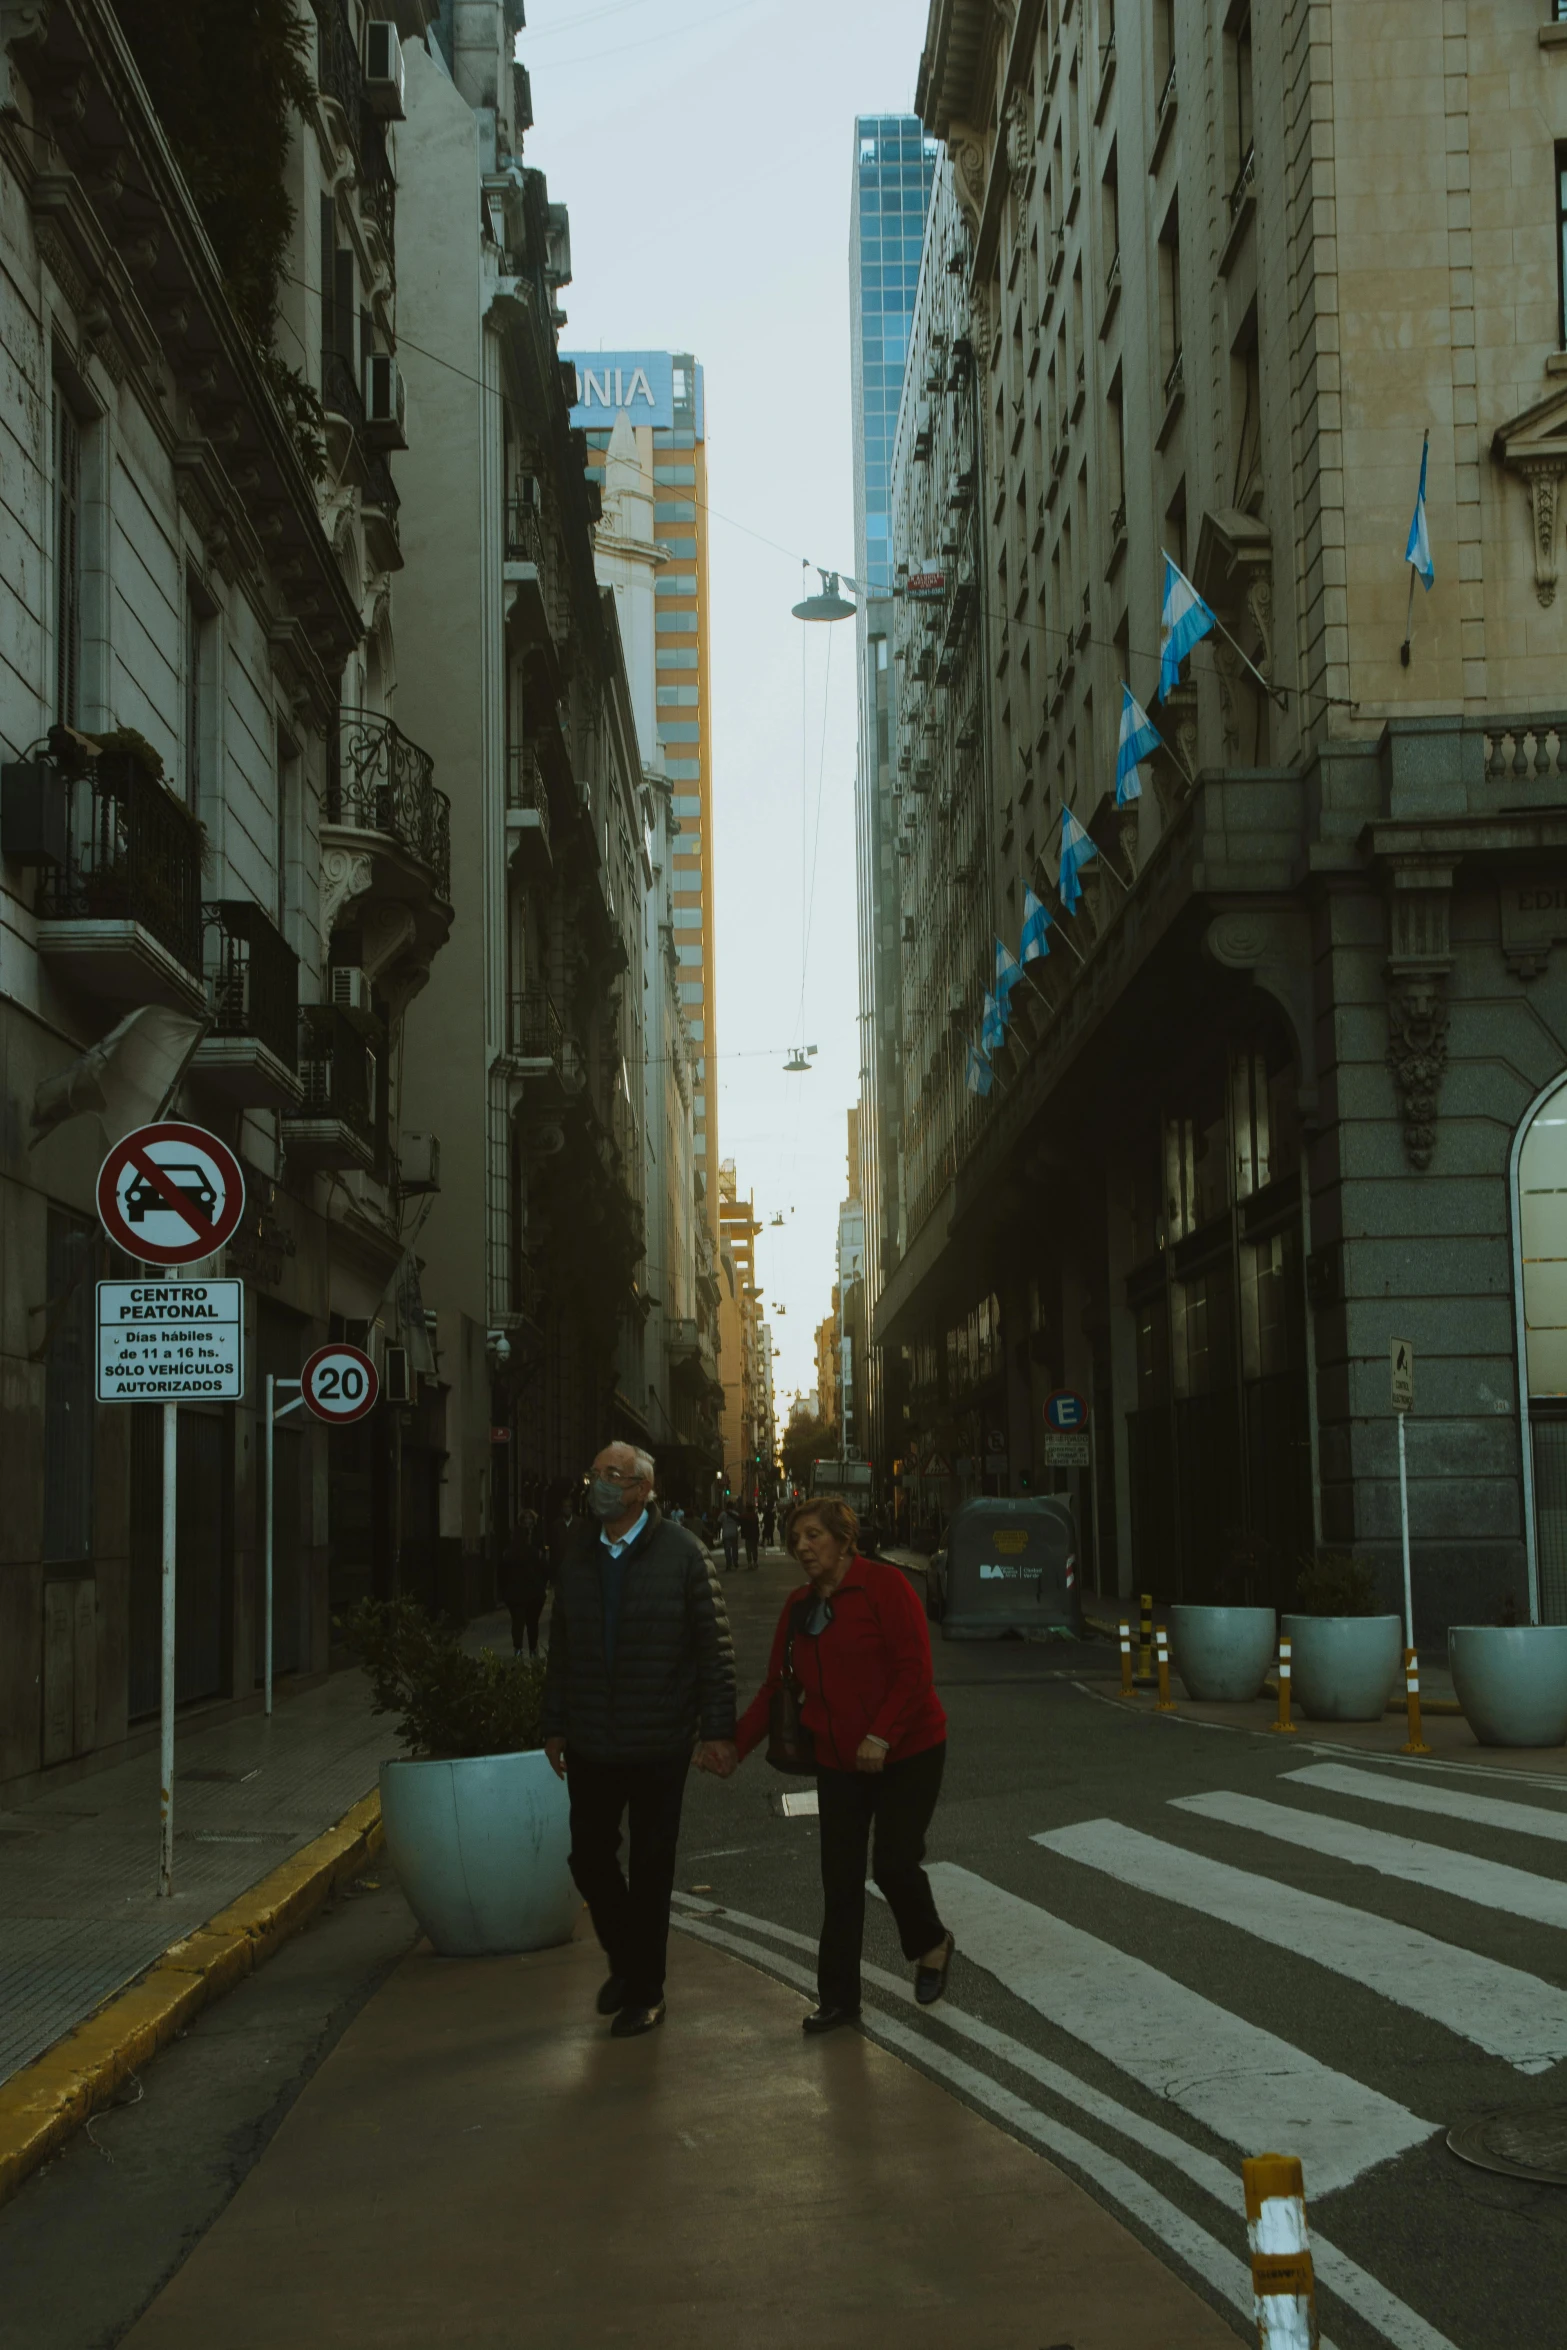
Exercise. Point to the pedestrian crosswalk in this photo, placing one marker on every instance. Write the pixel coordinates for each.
(1499, 2008)
(1245, 2084)
(1152, 2090)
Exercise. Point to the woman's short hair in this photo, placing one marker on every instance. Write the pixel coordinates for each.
(836, 1517)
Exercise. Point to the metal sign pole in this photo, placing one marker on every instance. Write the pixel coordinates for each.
(1403, 1522)
(267, 1473)
(1093, 1489)
(171, 1457)
(275, 1412)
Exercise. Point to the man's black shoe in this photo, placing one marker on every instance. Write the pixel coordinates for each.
(828, 2019)
(931, 1981)
(612, 1995)
(633, 2020)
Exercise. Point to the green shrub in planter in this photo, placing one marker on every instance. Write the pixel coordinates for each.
(452, 1704)
(1336, 1583)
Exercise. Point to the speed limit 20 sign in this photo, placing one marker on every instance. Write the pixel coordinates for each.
(339, 1383)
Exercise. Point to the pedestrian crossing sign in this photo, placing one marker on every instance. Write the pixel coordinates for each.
(1401, 1356)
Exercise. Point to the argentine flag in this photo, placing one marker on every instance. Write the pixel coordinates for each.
(1138, 737)
(1036, 921)
(1418, 551)
(1076, 849)
(1185, 619)
(978, 1077)
(1008, 972)
(992, 1026)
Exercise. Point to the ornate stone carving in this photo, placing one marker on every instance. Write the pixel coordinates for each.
(1543, 484)
(346, 874)
(1259, 603)
(1534, 446)
(1020, 137)
(1419, 959)
(967, 150)
(1226, 662)
(1417, 1056)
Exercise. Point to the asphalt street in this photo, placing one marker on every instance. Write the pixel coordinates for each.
(1212, 1955)
(1138, 1998)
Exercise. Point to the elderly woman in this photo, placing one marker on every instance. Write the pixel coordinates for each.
(854, 1640)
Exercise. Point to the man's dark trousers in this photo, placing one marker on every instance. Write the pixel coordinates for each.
(631, 1921)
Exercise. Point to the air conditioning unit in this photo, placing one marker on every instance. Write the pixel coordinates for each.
(530, 497)
(397, 1377)
(384, 69)
(419, 1164)
(349, 988)
(386, 402)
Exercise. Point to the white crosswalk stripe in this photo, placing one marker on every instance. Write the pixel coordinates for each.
(1245, 2084)
(1444, 1803)
(1490, 1884)
(1499, 2008)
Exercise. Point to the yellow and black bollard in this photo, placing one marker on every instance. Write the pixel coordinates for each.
(1414, 1743)
(1145, 1643)
(1126, 1658)
(1284, 1723)
(1282, 2276)
(1164, 1703)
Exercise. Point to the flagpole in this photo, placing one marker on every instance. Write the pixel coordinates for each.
(1275, 693)
(1409, 620)
(1409, 608)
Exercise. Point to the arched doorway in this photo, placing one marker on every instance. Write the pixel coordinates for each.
(1539, 1204)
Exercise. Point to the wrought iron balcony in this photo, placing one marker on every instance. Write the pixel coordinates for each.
(524, 532)
(251, 1050)
(534, 1031)
(527, 799)
(341, 1119)
(378, 781)
(132, 863)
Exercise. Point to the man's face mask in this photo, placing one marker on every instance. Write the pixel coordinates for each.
(608, 1500)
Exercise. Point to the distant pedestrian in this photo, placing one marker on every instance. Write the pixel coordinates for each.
(525, 1584)
(751, 1534)
(855, 1642)
(729, 1536)
(769, 1524)
(641, 1667)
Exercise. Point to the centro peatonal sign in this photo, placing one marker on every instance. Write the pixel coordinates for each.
(170, 1195)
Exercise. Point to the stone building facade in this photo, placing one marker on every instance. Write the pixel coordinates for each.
(1268, 1101)
(211, 827)
(528, 1049)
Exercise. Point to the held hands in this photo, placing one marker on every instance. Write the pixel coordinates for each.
(718, 1756)
(870, 1755)
(555, 1754)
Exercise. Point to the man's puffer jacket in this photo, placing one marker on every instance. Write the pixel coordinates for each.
(674, 1673)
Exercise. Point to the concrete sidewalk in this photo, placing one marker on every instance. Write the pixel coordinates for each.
(478, 2163)
(79, 1910)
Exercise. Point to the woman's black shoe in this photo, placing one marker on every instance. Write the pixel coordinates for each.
(612, 1995)
(633, 2021)
(828, 2019)
(931, 1981)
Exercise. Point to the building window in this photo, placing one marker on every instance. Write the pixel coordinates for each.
(676, 657)
(287, 817)
(71, 1250)
(67, 561)
(676, 697)
(1238, 97)
(1170, 300)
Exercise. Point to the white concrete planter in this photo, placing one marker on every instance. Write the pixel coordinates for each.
(1511, 1681)
(1343, 1667)
(479, 1846)
(1222, 1653)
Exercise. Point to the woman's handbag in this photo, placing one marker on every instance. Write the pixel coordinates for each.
(790, 1746)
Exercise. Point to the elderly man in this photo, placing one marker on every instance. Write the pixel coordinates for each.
(641, 1667)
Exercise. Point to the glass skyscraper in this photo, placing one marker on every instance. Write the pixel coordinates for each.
(895, 163)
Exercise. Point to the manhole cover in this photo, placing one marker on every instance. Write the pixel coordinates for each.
(1530, 2145)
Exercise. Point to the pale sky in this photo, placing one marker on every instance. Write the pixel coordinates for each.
(705, 149)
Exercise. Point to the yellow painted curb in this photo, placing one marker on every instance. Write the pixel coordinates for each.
(41, 2105)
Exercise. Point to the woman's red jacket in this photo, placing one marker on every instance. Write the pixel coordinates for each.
(867, 1675)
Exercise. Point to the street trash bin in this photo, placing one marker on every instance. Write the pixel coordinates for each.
(1010, 1565)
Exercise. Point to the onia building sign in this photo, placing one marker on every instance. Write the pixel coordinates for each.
(650, 386)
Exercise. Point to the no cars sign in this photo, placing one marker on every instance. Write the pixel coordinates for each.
(170, 1194)
(339, 1383)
